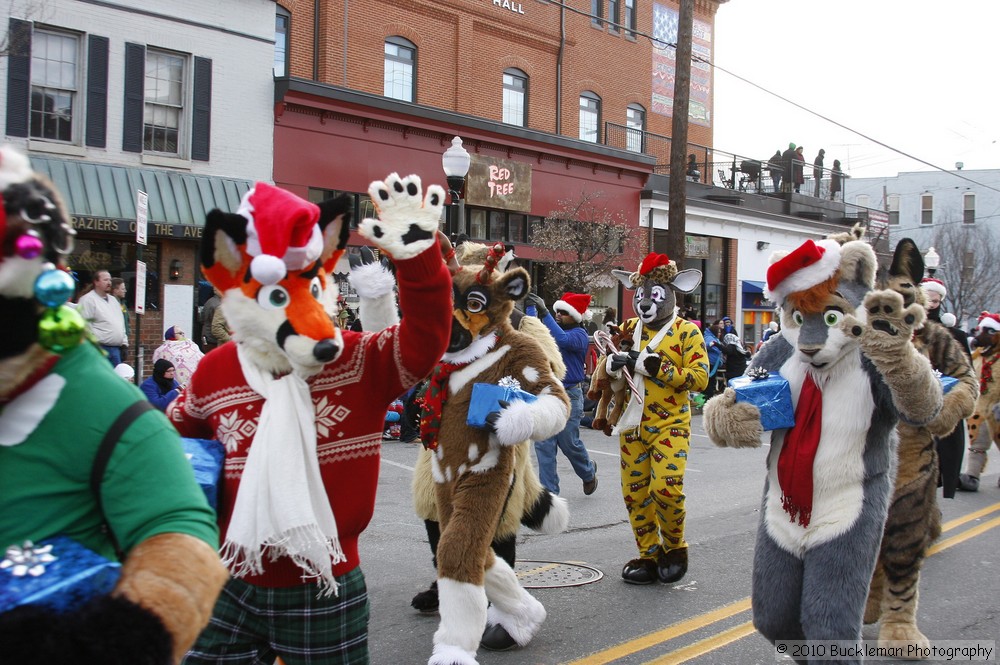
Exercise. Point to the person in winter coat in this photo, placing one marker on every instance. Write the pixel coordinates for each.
(715, 357)
(736, 356)
(162, 388)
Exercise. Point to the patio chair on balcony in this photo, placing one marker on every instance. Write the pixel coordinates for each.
(726, 181)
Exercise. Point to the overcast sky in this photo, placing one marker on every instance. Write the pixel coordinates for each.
(917, 75)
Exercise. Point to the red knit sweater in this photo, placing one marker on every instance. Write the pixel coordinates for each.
(350, 396)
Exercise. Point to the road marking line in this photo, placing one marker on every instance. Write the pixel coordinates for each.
(397, 464)
(701, 647)
(739, 632)
(962, 537)
(664, 635)
(958, 521)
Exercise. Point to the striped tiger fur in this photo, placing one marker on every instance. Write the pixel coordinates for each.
(914, 520)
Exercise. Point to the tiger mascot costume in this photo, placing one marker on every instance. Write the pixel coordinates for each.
(845, 351)
(914, 519)
(300, 405)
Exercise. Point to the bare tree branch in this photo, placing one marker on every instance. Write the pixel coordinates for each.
(968, 268)
(584, 241)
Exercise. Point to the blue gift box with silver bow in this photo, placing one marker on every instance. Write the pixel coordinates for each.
(58, 573)
(770, 394)
(486, 399)
(207, 457)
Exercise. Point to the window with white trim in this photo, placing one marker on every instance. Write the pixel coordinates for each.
(163, 115)
(590, 117)
(400, 69)
(515, 94)
(969, 208)
(282, 19)
(926, 209)
(635, 122)
(55, 75)
(892, 203)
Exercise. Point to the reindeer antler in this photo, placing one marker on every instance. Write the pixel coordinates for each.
(489, 265)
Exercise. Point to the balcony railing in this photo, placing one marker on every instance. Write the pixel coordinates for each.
(711, 166)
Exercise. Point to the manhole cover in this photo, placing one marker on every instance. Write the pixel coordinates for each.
(551, 574)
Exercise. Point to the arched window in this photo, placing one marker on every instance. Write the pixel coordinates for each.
(590, 117)
(400, 69)
(635, 121)
(515, 97)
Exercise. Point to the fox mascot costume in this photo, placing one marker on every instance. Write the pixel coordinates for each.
(846, 353)
(300, 406)
(59, 400)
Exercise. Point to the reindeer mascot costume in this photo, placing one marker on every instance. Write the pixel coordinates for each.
(300, 406)
(146, 504)
(846, 353)
(668, 360)
(473, 468)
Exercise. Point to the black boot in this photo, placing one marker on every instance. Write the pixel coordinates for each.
(496, 638)
(672, 565)
(639, 571)
(426, 602)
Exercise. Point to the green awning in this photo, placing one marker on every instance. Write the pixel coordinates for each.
(108, 191)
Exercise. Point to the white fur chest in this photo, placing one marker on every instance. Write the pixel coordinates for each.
(839, 468)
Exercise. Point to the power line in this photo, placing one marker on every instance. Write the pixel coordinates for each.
(662, 44)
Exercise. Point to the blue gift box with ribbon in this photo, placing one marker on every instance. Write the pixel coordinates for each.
(947, 382)
(58, 573)
(486, 399)
(770, 394)
(207, 457)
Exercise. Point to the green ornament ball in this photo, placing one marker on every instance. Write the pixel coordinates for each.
(61, 329)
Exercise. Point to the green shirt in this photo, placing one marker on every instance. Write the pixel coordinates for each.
(148, 488)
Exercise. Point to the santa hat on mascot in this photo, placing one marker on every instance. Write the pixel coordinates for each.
(808, 265)
(574, 305)
(990, 322)
(283, 233)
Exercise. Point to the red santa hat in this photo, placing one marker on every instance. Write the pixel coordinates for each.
(573, 304)
(934, 286)
(809, 264)
(989, 321)
(282, 235)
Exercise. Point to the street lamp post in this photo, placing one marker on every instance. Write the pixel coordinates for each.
(455, 162)
(931, 261)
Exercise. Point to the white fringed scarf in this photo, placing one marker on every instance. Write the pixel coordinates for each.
(632, 416)
(281, 505)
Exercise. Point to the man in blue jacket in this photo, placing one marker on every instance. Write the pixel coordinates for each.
(573, 341)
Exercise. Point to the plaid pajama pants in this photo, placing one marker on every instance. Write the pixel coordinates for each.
(252, 625)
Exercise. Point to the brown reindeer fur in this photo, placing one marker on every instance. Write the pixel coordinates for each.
(611, 394)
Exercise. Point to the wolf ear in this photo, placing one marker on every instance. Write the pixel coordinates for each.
(335, 222)
(686, 281)
(223, 248)
(625, 277)
(907, 261)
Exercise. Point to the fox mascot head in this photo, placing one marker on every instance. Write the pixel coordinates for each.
(272, 260)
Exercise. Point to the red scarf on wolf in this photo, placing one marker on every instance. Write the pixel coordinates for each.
(798, 452)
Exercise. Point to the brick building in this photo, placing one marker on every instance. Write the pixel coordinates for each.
(561, 98)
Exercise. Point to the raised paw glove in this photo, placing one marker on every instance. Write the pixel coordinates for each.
(536, 301)
(627, 360)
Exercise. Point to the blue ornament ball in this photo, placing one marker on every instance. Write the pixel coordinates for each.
(53, 288)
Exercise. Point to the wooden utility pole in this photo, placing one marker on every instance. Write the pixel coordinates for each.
(676, 217)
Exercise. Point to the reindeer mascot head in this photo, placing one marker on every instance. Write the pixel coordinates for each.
(51, 373)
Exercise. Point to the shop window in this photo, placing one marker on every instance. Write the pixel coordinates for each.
(400, 80)
(118, 258)
(497, 230)
(361, 204)
(516, 227)
(476, 218)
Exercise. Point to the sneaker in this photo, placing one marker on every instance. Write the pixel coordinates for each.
(590, 486)
(968, 483)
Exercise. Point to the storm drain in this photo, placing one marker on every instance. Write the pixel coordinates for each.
(552, 574)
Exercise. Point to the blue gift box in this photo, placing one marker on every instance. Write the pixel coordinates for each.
(947, 382)
(486, 399)
(207, 458)
(771, 395)
(57, 573)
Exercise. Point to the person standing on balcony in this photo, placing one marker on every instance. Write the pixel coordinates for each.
(818, 171)
(836, 180)
(787, 161)
(798, 168)
(775, 169)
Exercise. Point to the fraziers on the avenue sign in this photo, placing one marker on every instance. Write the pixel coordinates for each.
(514, 7)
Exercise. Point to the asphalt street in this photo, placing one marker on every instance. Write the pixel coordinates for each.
(596, 619)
